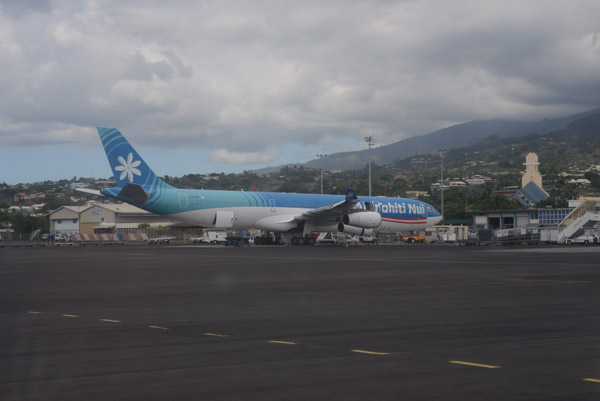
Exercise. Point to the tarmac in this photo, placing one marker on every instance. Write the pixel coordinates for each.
(407, 322)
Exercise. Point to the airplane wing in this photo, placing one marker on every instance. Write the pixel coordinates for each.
(332, 212)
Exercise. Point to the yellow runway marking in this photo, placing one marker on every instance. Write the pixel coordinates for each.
(158, 327)
(110, 320)
(70, 315)
(32, 312)
(591, 380)
(281, 342)
(216, 335)
(479, 365)
(360, 351)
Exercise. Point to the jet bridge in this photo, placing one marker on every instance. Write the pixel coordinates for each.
(585, 216)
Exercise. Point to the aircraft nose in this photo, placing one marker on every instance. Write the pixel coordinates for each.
(432, 221)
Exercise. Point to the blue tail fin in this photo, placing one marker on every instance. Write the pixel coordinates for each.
(127, 165)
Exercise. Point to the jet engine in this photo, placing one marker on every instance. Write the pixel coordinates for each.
(363, 219)
(352, 230)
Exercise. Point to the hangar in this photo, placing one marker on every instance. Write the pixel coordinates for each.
(89, 219)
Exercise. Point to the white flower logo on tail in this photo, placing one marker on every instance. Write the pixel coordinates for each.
(128, 167)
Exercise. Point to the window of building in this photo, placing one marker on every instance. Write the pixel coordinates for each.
(494, 222)
(552, 216)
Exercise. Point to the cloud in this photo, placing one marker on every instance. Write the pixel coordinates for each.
(243, 158)
(238, 77)
(18, 9)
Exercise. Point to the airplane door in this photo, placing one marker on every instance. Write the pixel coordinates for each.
(183, 200)
(272, 203)
(224, 219)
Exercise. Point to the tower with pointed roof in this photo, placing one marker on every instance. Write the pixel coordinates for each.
(531, 191)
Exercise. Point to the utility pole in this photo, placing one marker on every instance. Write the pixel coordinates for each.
(370, 141)
(320, 157)
(441, 152)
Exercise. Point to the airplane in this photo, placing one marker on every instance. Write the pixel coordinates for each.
(292, 217)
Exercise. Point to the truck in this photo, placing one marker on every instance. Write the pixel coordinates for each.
(211, 237)
(589, 237)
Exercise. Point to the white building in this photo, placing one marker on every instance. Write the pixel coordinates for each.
(583, 182)
(89, 218)
(65, 220)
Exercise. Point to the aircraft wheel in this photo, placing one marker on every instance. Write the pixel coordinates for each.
(294, 241)
(280, 241)
(300, 241)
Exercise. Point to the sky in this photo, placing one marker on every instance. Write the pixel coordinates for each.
(231, 85)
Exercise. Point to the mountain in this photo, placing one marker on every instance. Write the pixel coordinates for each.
(457, 136)
(578, 144)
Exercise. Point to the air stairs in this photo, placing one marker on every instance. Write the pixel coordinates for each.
(585, 216)
(35, 234)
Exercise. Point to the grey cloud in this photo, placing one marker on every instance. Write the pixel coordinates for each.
(19, 8)
(143, 70)
(246, 76)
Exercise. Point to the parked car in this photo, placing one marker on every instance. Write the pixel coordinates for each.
(160, 240)
(62, 237)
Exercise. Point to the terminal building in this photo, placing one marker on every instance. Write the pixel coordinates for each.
(526, 197)
(518, 218)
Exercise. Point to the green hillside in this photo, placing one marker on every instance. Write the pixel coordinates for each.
(457, 136)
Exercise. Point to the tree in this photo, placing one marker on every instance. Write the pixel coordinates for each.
(494, 202)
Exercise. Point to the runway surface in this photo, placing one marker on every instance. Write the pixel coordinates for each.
(300, 323)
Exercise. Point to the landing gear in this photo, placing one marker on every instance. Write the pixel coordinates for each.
(306, 240)
(269, 239)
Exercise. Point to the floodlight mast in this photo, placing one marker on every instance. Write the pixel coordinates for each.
(370, 141)
(320, 157)
(441, 152)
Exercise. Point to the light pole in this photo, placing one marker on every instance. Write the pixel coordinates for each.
(441, 152)
(320, 157)
(370, 141)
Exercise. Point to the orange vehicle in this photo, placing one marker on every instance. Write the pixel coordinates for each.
(413, 239)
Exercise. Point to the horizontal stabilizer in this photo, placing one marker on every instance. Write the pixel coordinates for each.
(89, 191)
(135, 193)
